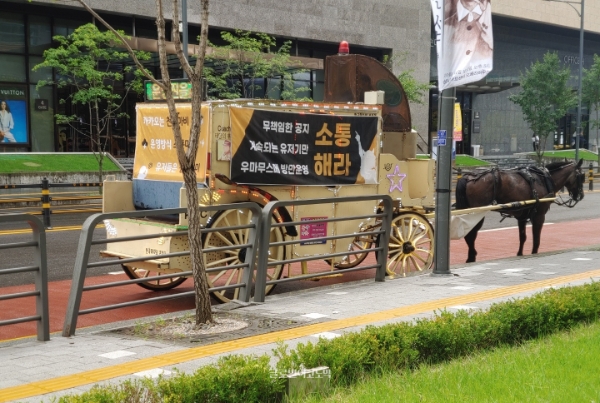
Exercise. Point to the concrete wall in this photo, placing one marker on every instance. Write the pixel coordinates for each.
(551, 12)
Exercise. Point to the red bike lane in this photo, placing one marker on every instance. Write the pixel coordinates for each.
(491, 245)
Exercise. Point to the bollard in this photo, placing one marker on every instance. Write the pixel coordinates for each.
(458, 174)
(591, 177)
(46, 203)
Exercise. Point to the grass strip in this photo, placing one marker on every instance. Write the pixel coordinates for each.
(569, 154)
(11, 163)
(560, 368)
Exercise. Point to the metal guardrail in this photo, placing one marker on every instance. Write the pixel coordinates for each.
(383, 216)
(45, 197)
(86, 241)
(40, 269)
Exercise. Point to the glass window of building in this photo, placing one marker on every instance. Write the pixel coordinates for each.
(12, 68)
(40, 34)
(12, 32)
(64, 27)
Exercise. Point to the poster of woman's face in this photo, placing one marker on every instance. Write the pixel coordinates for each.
(13, 120)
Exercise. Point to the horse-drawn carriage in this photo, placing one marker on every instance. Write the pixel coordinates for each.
(256, 150)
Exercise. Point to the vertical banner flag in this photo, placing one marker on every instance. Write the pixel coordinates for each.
(457, 133)
(465, 44)
(282, 148)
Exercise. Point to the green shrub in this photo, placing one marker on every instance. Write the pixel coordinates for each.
(445, 336)
(233, 379)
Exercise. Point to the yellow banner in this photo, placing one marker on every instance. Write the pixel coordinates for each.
(155, 153)
(457, 134)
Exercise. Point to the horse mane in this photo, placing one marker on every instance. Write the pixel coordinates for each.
(553, 166)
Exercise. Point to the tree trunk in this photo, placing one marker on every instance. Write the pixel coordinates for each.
(203, 307)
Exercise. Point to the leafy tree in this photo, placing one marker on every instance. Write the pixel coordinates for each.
(415, 90)
(244, 67)
(88, 62)
(545, 97)
(590, 94)
(185, 156)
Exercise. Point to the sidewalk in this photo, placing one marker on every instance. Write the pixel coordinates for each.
(35, 371)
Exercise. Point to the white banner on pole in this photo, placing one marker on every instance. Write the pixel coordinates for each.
(465, 44)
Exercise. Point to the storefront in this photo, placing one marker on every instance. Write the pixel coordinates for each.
(28, 30)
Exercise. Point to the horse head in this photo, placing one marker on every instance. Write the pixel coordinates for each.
(573, 182)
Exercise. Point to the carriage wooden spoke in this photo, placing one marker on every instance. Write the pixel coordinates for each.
(135, 273)
(359, 243)
(235, 256)
(410, 246)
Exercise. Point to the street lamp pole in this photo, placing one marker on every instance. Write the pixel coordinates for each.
(578, 129)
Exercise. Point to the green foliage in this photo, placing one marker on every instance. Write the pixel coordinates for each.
(414, 90)
(88, 63)
(446, 336)
(240, 68)
(559, 368)
(590, 95)
(545, 96)
(233, 379)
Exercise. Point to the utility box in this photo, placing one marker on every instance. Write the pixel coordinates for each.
(374, 97)
(475, 149)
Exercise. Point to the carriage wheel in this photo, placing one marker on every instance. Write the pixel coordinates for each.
(411, 245)
(358, 243)
(229, 218)
(154, 285)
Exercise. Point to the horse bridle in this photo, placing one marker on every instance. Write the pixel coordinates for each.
(571, 202)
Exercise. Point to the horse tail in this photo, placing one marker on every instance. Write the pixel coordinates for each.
(461, 194)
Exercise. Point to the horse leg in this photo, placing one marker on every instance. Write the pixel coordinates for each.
(470, 240)
(537, 223)
(522, 235)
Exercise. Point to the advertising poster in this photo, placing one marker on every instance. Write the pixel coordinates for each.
(465, 43)
(13, 115)
(156, 155)
(284, 148)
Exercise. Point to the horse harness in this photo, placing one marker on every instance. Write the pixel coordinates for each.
(528, 174)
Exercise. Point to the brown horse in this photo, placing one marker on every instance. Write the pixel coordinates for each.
(498, 186)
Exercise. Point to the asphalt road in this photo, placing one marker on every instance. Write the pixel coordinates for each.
(62, 241)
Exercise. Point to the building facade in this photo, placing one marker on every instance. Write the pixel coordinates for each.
(523, 32)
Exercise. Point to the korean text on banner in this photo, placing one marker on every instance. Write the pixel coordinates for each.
(155, 152)
(465, 44)
(282, 148)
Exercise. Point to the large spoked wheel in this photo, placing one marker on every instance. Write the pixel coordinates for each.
(135, 273)
(359, 243)
(227, 237)
(411, 245)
